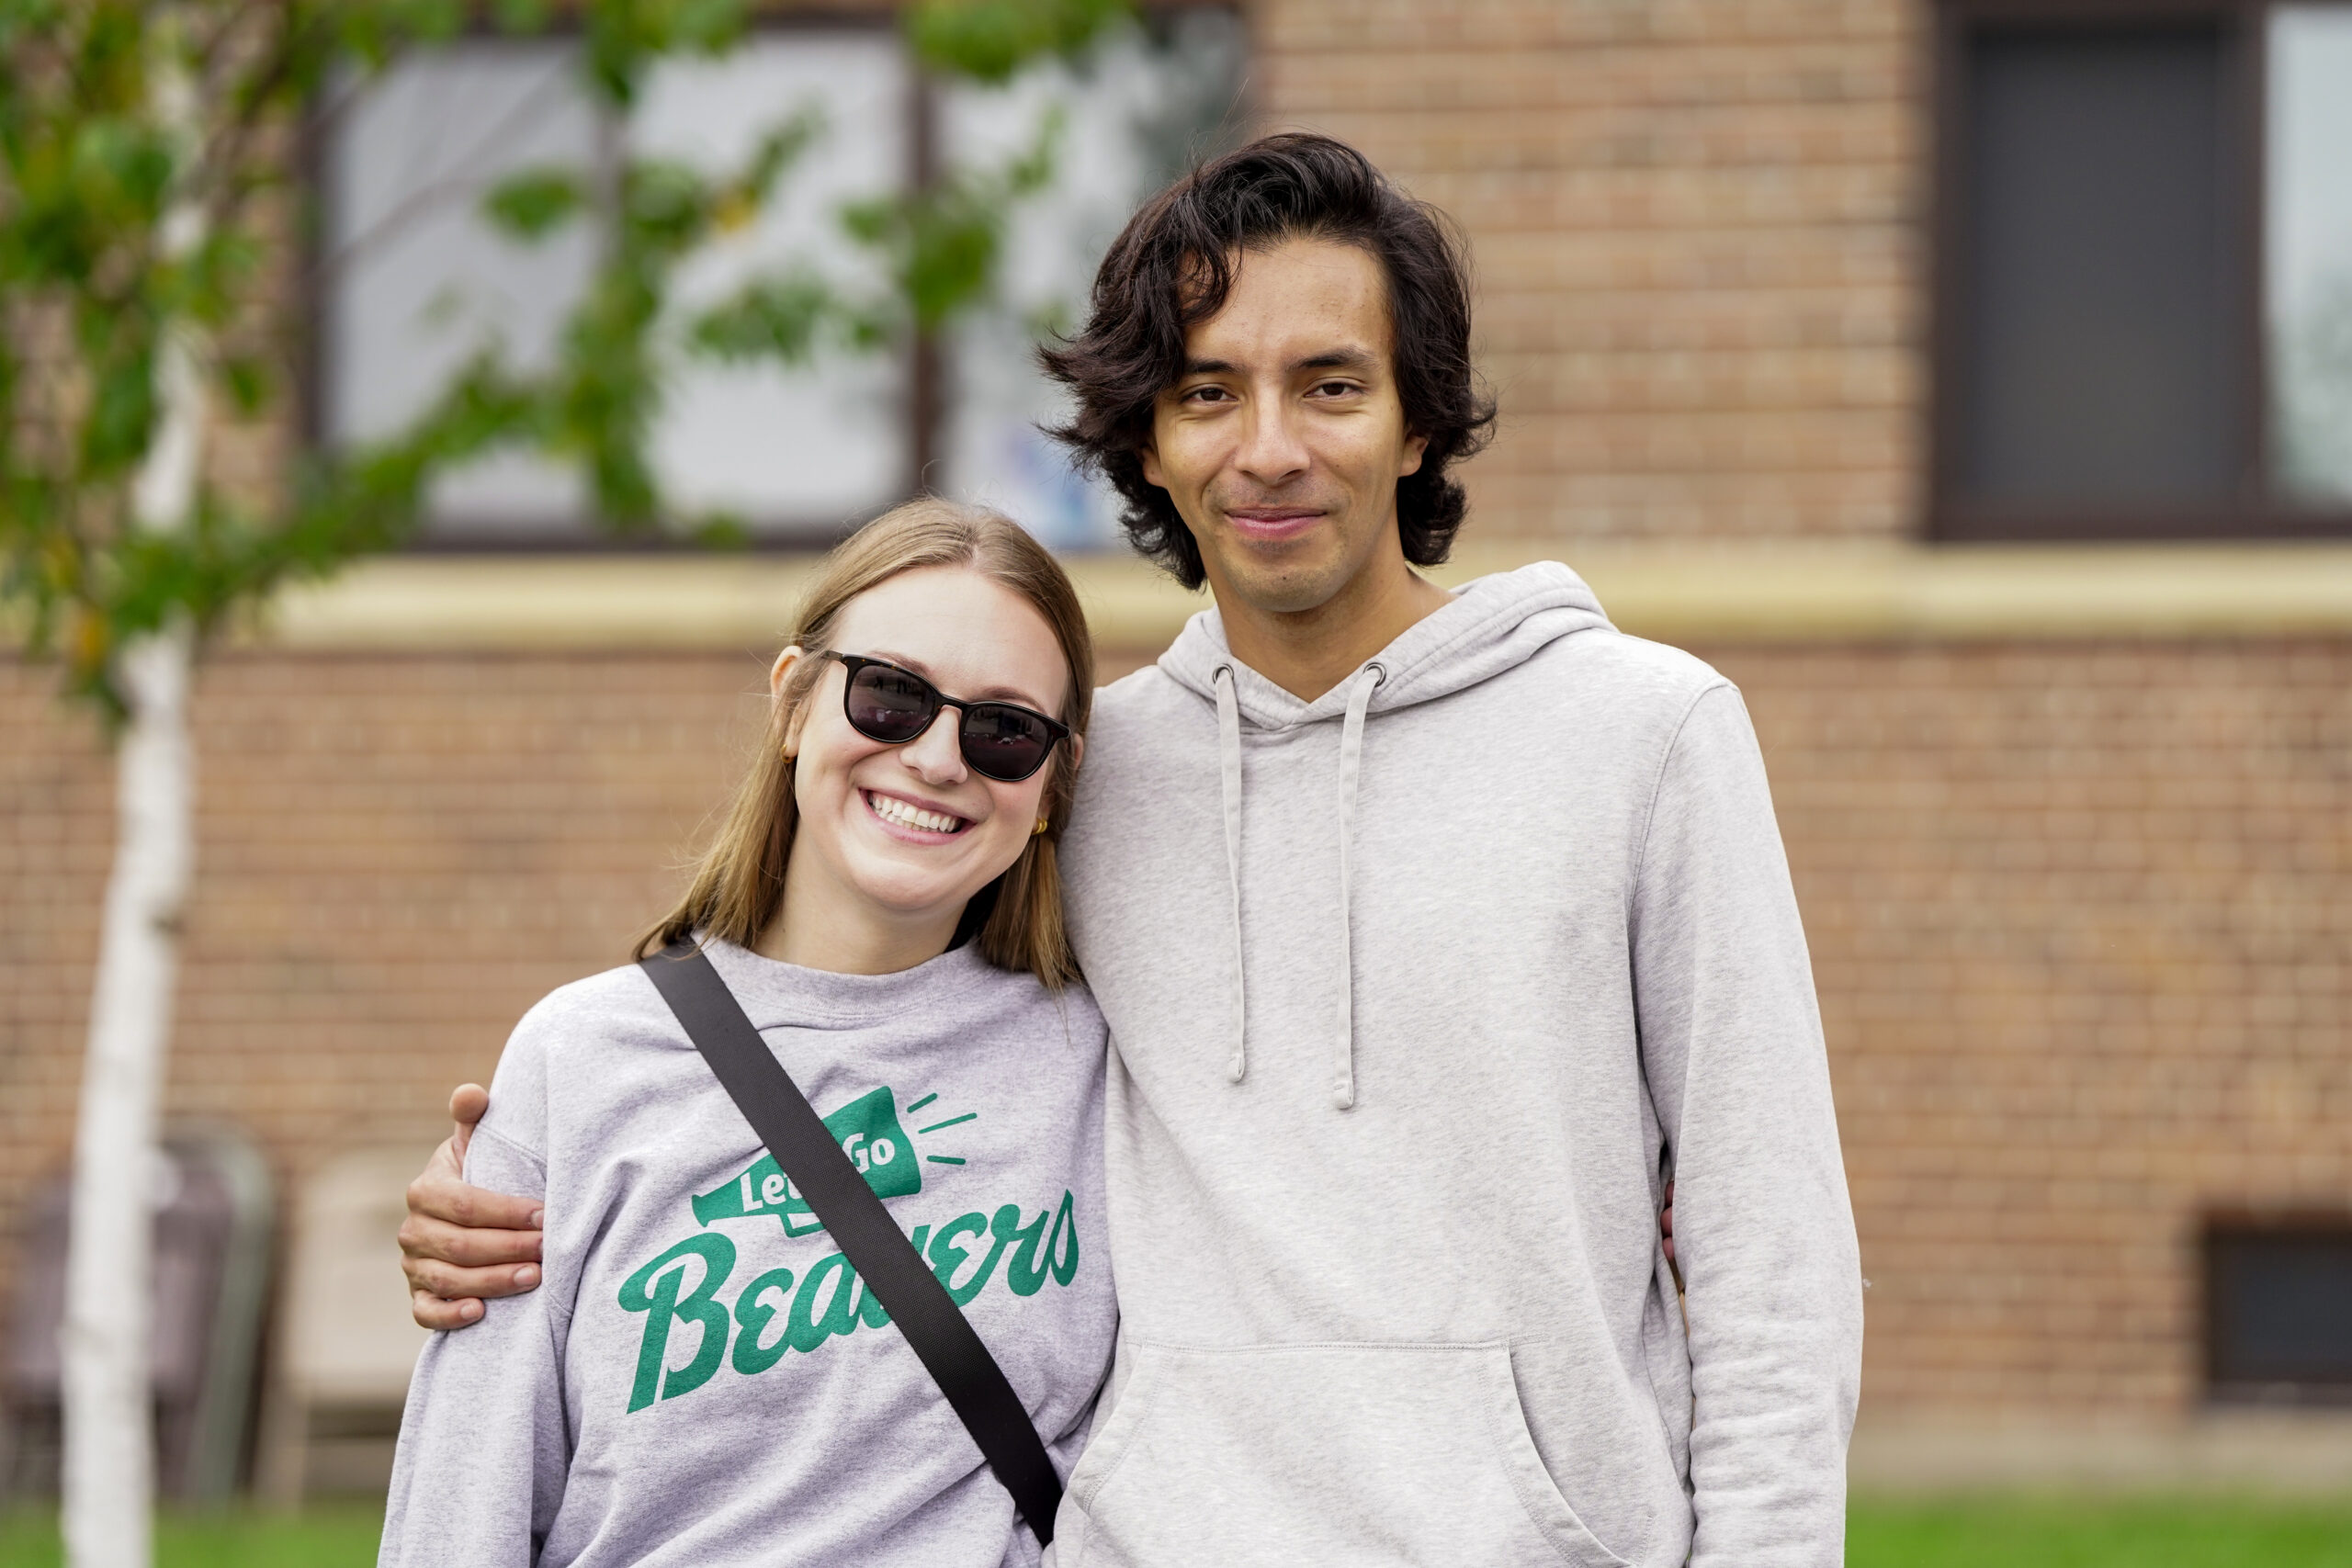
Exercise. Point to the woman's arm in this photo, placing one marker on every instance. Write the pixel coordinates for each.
(483, 1446)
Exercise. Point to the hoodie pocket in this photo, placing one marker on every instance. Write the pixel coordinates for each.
(1398, 1455)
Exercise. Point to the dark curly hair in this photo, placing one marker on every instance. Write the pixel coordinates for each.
(1172, 267)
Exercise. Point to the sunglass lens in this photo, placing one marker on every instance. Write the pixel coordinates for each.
(1003, 742)
(888, 705)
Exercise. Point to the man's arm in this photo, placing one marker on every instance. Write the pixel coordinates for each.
(1763, 1232)
(461, 1245)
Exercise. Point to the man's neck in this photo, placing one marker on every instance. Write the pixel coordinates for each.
(1307, 652)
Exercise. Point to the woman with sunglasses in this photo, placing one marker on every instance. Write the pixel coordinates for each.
(701, 1379)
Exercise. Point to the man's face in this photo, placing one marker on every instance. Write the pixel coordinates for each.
(1283, 441)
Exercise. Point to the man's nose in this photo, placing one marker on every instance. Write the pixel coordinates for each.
(937, 754)
(1273, 450)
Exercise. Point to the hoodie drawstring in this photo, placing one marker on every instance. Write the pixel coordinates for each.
(1228, 752)
(1228, 744)
(1344, 1058)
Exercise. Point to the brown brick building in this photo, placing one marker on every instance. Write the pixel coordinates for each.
(2071, 821)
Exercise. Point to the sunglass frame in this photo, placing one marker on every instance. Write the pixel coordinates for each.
(934, 701)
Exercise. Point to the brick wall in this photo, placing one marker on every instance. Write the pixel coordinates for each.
(2079, 922)
(2077, 914)
(1696, 229)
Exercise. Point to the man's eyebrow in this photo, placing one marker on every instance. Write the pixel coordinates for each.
(1340, 359)
(1329, 359)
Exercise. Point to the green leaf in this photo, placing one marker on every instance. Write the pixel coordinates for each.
(624, 37)
(249, 382)
(773, 318)
(943, 243)
(990, 40)
(721, 531)
(122, 413)
(666, 205)
(520, 15)
(532, 205)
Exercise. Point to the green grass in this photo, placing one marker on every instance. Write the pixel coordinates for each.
(1992, 1532)
(321, 1537)
(2061, 1532)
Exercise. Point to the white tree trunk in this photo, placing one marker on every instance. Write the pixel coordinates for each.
(109, 1444)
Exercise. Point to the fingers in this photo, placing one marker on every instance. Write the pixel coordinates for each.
(453, 1263)
(436, 1240)
(1665, 1222)
(467, 1104)
(461, 1246)
(452, 1285)
(437, 1196)
(431, 1311)
(447, 1164)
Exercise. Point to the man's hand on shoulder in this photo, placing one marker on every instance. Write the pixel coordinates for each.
(461, 1245)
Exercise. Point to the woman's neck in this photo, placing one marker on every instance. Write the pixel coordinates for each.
(820, 926)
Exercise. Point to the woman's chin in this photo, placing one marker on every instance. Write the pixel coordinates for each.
(913, 900)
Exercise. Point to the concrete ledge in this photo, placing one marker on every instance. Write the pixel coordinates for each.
(432, 604)
(1868, 591)
(2306, 1451)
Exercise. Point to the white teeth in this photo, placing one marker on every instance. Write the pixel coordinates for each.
(892, 809)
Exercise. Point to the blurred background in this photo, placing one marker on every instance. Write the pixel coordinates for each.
(1972, 382)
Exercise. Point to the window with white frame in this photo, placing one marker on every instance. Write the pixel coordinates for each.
(414, 281)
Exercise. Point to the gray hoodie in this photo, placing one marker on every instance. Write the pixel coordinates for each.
(702, 1381)
(1418, 992)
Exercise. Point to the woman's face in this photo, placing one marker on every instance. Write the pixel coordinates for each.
(910, 832)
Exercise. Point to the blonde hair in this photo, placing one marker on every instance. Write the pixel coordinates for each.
(739, 883)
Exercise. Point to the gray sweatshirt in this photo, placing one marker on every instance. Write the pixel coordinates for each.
(1416, 992)
(701, 1381)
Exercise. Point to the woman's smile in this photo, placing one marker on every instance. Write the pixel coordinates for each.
(911, 820)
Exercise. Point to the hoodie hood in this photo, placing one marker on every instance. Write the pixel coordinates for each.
(1495, 624)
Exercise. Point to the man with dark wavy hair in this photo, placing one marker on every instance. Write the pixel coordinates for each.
(1173, 269)
(1437, 932)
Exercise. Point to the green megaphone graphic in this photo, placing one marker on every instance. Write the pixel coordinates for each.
(868, 1132)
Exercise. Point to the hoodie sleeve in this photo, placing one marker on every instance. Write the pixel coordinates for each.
(484, 1443)
(1764, 1233)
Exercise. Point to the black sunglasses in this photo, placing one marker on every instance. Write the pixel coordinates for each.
(1000, 740)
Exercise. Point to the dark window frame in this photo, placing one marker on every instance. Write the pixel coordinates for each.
(2256, 511)
(2217, 1229)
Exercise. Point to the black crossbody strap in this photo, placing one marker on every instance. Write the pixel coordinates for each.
(880, 1252)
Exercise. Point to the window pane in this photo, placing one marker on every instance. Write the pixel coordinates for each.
(820, 446)
(2098, 329)
(422, 282)
(1142, 109)
(2280, 1304)
(415, 282)
(2310, 250)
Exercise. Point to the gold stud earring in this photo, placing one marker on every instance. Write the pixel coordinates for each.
(1042, 825)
